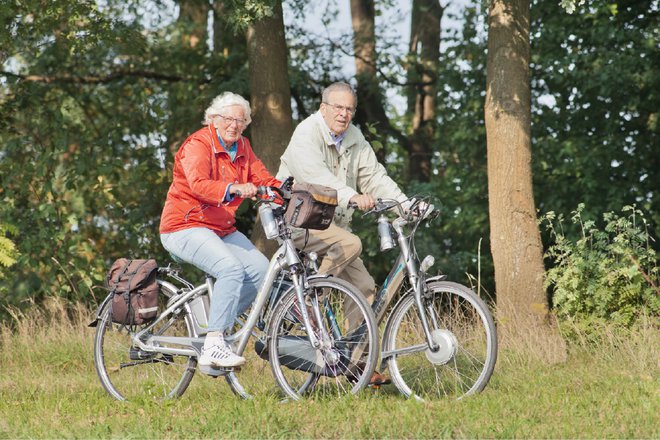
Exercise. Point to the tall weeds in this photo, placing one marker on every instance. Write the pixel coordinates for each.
(54, 324)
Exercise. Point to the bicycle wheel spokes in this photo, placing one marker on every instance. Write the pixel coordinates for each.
(248, 381)
(128, 373)
(348, 350)
(466, 338)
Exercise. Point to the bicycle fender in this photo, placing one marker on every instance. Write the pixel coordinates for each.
(436, 278)
(98, 310)
(319, 275)
(427, 281)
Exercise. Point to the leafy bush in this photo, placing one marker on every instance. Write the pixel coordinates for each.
(8, 250)
(608, 274)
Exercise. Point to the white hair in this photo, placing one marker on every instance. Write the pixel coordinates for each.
(227, 99)
(338, 87)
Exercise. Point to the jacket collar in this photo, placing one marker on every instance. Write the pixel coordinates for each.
(349, 139)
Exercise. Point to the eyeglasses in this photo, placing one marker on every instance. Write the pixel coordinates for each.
(229, 120)
(340, 108)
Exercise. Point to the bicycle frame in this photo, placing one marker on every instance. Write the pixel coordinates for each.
(286, 257)
(405, 263)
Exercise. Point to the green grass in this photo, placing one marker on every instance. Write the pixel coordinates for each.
(49, 389)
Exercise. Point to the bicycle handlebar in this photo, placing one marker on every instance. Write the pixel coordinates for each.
(427, 212)
(284, 191)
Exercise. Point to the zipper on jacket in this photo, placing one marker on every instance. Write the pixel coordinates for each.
(190, 212)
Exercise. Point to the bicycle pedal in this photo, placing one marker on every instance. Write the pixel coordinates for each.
(212, 371)
(135, 354)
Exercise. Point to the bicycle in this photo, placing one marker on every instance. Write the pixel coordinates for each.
(439, 338)
(299, 320)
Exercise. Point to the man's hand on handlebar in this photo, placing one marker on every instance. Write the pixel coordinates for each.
(363, 202)
(417, 208)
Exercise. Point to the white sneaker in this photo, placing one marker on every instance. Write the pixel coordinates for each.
(219, 354)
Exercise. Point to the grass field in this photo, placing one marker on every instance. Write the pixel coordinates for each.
(49, 389)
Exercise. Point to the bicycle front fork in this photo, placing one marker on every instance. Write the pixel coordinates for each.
(423, 311)
(300, 294)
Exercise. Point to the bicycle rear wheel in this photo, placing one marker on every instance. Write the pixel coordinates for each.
(343, 364)
(128, 373)
(465, 333)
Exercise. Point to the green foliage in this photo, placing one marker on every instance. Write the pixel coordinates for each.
(595, 106)
(8, 251)
(608, 273)
(96, 97)
(93, 104)
(570, 5)
(245, 12)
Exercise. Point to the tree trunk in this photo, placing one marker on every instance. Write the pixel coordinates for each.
(371, 109)
(516, 247)
(424, 54)
(272, 123)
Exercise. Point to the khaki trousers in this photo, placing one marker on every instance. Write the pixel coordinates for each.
(339, 252)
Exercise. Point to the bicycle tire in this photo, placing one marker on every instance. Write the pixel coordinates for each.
(344, 365)
(467, 337)
(248, 381)
(127, 373)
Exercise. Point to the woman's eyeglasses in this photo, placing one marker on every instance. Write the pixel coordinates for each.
(229, 120)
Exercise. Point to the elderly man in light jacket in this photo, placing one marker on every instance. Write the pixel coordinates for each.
(327, 149)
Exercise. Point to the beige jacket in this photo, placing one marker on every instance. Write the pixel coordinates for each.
(312, 157)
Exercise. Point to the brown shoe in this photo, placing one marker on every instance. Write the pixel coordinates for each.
(378, 379)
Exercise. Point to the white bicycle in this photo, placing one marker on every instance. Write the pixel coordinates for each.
(299, 322)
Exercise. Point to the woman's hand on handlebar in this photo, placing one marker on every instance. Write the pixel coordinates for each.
(245, 190)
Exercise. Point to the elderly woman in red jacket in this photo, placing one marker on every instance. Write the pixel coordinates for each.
(214, 171)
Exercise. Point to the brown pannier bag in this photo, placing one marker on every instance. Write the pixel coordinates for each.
(135, 289)
(311, 206)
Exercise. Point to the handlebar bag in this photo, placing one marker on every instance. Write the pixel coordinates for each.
(311, 206)
(135, 290)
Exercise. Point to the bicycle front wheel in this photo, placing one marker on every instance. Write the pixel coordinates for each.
(348, 352)
(128, 373)
(462, 327)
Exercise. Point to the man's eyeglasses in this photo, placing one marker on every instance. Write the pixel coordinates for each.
(229, 120)
(340, 108)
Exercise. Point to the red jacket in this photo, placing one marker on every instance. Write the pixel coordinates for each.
(202, 171)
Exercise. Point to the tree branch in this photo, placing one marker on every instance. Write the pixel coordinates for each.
(644, 274)
(387, 78)
(101, 79)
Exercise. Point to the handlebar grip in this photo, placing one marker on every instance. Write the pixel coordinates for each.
(261, 191)
(352, 205)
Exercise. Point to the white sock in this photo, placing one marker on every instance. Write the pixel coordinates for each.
(212, 338)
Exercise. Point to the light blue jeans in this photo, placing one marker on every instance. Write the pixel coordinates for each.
(237, 266)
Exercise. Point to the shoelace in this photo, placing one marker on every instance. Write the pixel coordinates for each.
(220, 351)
